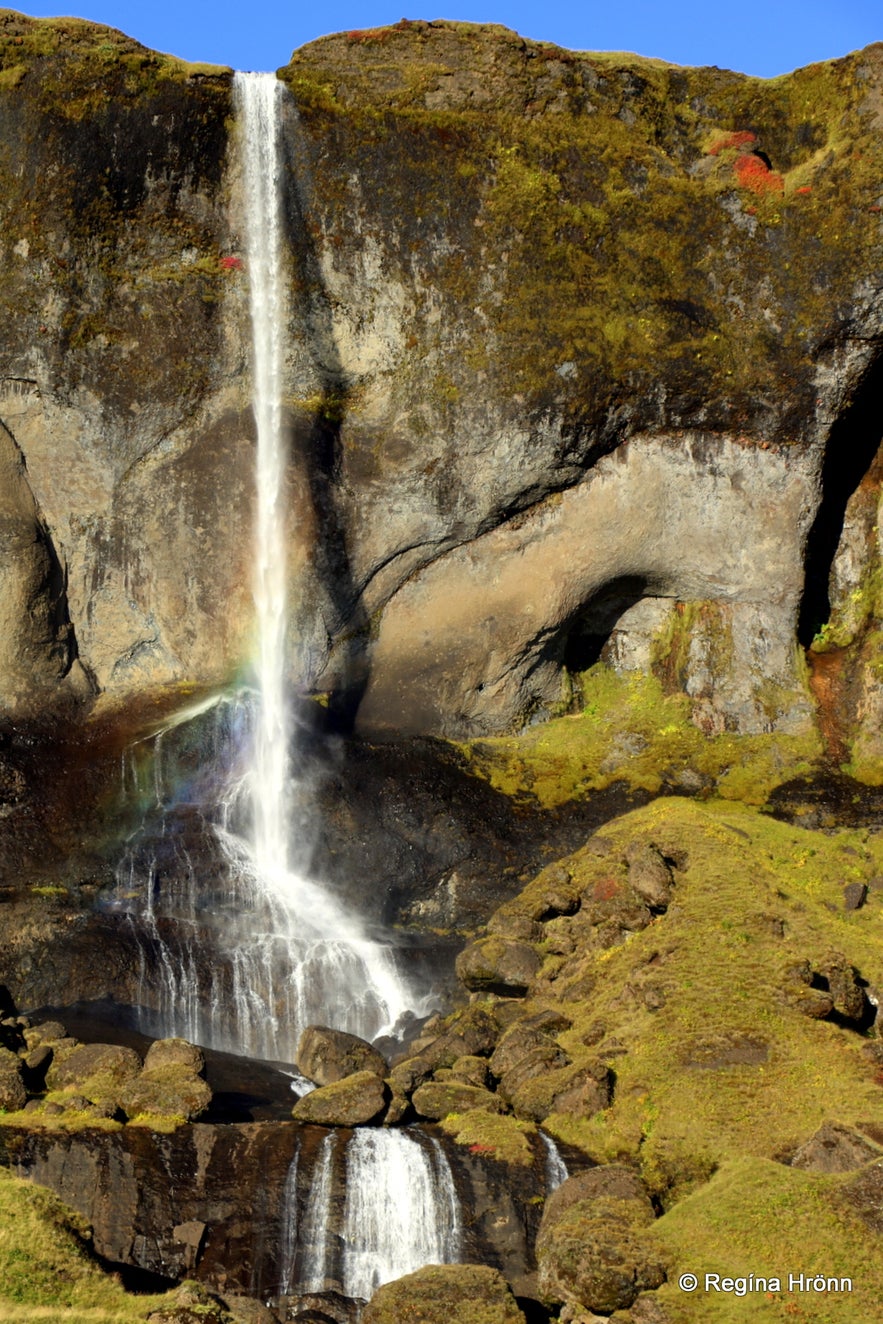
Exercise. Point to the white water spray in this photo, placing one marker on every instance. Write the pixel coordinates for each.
(259, 103)
(244, 952)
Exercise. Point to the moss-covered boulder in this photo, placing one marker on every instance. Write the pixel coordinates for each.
(112, 1063)
(591, 1247)
(437, 1098)
(498, 965)
(354, 1101)
(172, 1091)
(12, 1086)
(438, 1294)
(325, 1055)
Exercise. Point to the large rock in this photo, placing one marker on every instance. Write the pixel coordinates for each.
(836, 1148)
(112, 1063)
(498, 965)
(353, 1101)
(325, 1056)
(12, 1088)
(438, 1098)
(442, 1293)
(590, 1247)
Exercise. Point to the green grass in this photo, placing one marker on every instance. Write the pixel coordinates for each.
(562, 759)
(46, 1271)
(716, 970)
(757, 1217)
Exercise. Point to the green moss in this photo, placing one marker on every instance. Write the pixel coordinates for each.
(583, 186)
(500, 1137)
(757, 1217)
(631, 731)
(716, 1061)
(46, 1271)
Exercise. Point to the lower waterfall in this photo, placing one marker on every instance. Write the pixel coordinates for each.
(400, 1211)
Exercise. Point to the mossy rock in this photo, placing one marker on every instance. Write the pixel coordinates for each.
(498, 965)
(111, 1063)
(12, 1088)
(596, 1254)
(354, 1101)
(437, 1098)
(439, 1294)
(493, 1135)
(166, 1091)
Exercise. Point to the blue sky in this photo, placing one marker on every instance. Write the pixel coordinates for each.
(756, 37)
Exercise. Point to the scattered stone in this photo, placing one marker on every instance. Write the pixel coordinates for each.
(835, 1148)
(650, 875)
(444, 1293)
(174, 1053)
(854, 896)
(498, 965)
(112, 1062)
(246, 1310)
(437, 1099)
(354, 1101)
(326, 1056)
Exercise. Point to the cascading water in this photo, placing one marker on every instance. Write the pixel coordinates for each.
(400, 1212)
(239, 949)
(556, 1168)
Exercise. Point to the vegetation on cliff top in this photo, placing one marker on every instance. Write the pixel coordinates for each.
(637, 228)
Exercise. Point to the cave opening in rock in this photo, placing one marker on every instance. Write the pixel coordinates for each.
(853, 444)
(586, 634)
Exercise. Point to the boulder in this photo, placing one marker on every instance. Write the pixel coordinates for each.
(168, 1091)
(437, 1099)
(650, 875)
(113, 1063)
(174, 1053)
(406, 1076)
(848, 995)
(12, 1088)
(581, 1090)
(442, 1293)
(498, 965)
(590, 1249)
(326, 1056)
(835, 1148)
(518, 1041)
(540, 1060)
(191, 1303)
(353, 1101)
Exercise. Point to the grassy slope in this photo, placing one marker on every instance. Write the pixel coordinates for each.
(46, 1272)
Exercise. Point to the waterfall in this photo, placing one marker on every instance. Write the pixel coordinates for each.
(289, 1226)
(556, 1168)
(239, 949)
(400, 1212)
(316, 1268)
(259, 105)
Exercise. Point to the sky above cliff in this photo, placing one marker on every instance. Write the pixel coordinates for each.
(762, 37)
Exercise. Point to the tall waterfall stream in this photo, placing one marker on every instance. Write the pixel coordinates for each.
(239, 948)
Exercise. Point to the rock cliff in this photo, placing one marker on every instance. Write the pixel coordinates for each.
(578, 344)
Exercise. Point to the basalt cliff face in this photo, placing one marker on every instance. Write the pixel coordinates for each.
(584, 353)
